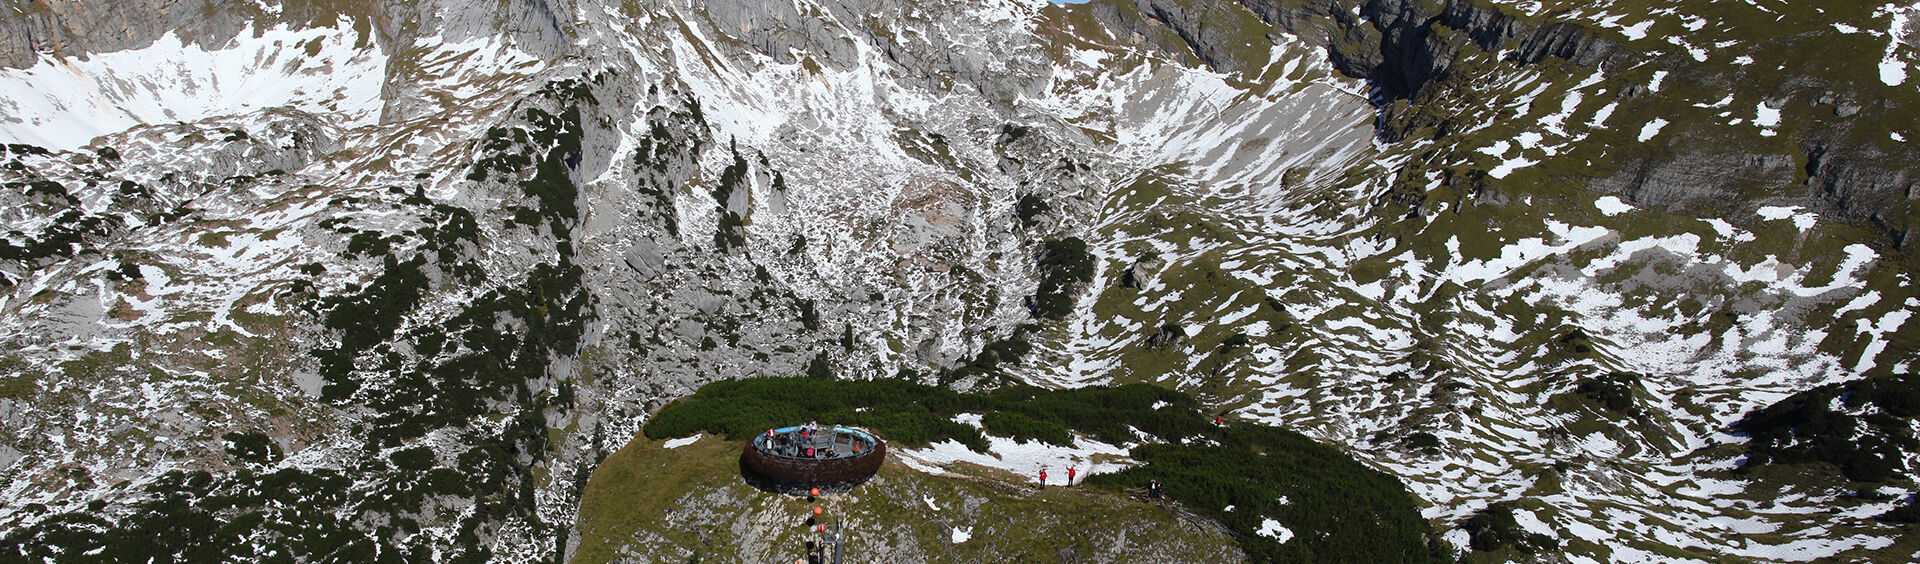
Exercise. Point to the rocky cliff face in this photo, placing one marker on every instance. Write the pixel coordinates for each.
(393, 279)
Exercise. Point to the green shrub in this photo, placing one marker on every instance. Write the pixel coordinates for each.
(1020, 428)
(1234, 342)
(1424, 442)
(809, 317)
(1576, 342)
(1908, 512)
(252, 447)
(1867, 447)
(416, 459)
(820, 367)
(366, 318)
(1615, 391)
(1030, 208)
(731, 233)
(1341, 510)
(1065, 266)
(1495, 527)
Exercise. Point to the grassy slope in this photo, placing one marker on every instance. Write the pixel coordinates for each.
(660, 504)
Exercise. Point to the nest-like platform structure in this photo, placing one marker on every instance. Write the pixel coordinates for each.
(821, 455)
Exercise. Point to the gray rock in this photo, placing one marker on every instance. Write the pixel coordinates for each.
(689, 331)
(740, 202)
(647, 259)
(709, 303)
(1167, 335)
(1488, 195)
(1140, 272)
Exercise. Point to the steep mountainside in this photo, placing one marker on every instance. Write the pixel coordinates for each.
(389, 280)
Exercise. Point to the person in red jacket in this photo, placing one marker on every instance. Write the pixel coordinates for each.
(1043, 477)
(1070, 472)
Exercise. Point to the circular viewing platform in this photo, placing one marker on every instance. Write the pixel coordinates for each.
(821, 454)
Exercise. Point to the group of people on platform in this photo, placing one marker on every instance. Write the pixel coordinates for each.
(804, 442)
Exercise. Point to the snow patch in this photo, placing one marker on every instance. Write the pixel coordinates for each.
(1600, 117)
(684, 441)
(1893, 71)
(1611, 206)
(1508, 166)
(1801, 220)
(1767, 118)
(1637, 31)
(1023, 459)
(1651, 129)
(1274, 530)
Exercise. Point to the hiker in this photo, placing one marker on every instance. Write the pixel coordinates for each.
(1043, 477)
(1153, 489)
(1070, 472)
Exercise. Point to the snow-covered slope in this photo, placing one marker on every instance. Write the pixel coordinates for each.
(445, 266)
(63, 103)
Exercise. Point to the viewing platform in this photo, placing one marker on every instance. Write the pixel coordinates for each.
(815, 454)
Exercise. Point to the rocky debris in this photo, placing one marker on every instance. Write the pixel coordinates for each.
(1843, 106)
(1691, 178)
(1860, 186)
